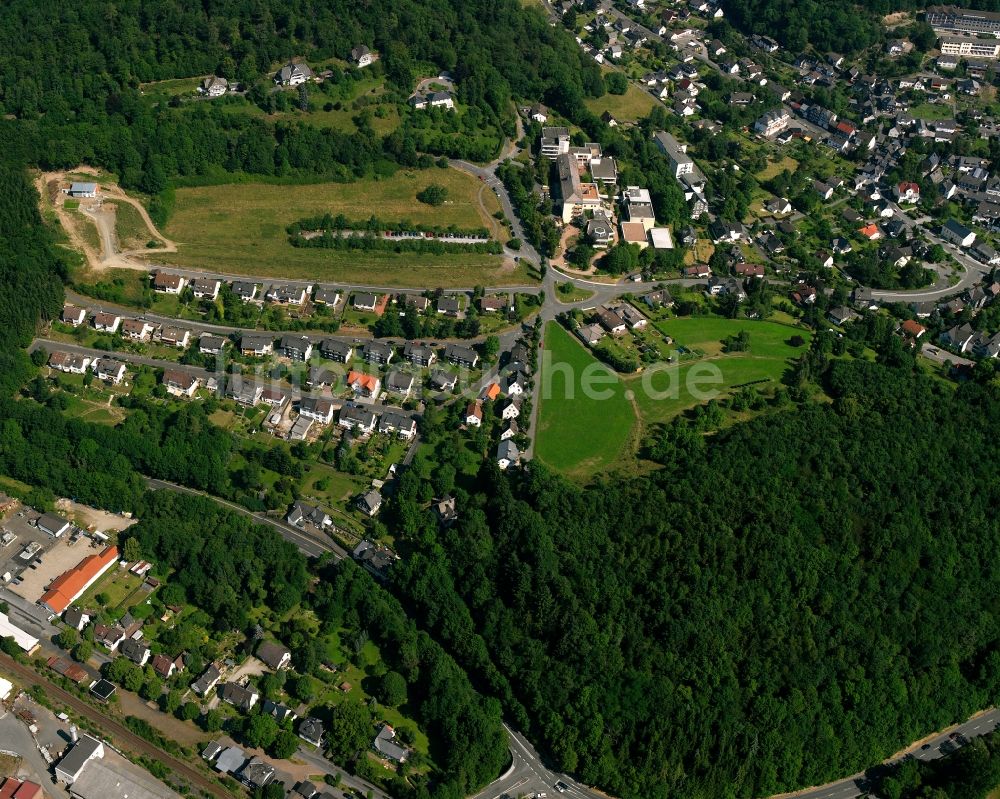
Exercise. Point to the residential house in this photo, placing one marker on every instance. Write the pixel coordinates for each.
(474, 414)
(611, 321)
(274, 655)
(397, 422)
(959, 337)
(378, 352)
(206, 288)
(293, 74)
(175, 337)
(245, 290)
(511, 409)
(335, 350)
(385, 745)
(136, 329)
(419, 354)
(357, 417)
(207, 681)
(256, 344)
(399, 382)
(370, 502)
(508, 454)
(461, 355)
(311, 731)
(168, 283)
(69, 362)
(449, 305)
(315, 408)
(285, 294)
(239, 696)
(180, 384)
(912, 329)
(73, 316)
(214, 86)
(298, 348)
(136, 651)
(302, 515)
(108, 370)
(211, 345)
(326, 296)
(106, 322)
(442, 380)
(361, 56)
(957, 233)
(245, 392)
(841, 315)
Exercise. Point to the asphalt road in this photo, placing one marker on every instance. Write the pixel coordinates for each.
(974, 270)
(310, 545)
(528, 776)
(938, 746)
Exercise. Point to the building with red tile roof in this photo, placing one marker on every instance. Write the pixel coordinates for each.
(70, 585)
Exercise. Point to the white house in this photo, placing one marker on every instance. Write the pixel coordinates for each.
(508, 454)
(293, 75)
(214, 86)
(361, 56)
(957, 233)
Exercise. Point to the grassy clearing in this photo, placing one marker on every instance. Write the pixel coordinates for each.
(580, 435)
(775, 168)
(130, 227)
(628, 107)
(932, 111)
(240, 228)
(165, 89)
(679, 387)
(87, 230)
(117, 584)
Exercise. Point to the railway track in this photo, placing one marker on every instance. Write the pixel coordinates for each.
(117, 731)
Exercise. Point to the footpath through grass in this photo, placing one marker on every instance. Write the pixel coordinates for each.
(240, 228)
(580, 435)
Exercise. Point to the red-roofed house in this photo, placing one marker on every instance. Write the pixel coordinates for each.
(365, 385)
(16, 789)
(907, 192)
(492, 391)
(870, 232)
(68, 586)
(913, 329)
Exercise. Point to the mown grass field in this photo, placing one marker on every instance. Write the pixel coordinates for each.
(714, 371)
(628, 107)
(579, 435)
(240, 228)
(775, 168)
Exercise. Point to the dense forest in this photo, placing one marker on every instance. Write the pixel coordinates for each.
(843, 26)
(70, 75)
(786, 602)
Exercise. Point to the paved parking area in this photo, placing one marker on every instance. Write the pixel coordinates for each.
(61, 555)
(20, 533)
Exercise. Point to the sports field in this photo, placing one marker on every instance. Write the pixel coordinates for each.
(705, 371)
(579, 435)
(240, 228)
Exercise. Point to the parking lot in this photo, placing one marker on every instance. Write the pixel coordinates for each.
(31, 557)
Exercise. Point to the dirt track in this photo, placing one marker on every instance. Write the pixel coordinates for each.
(100, 211)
